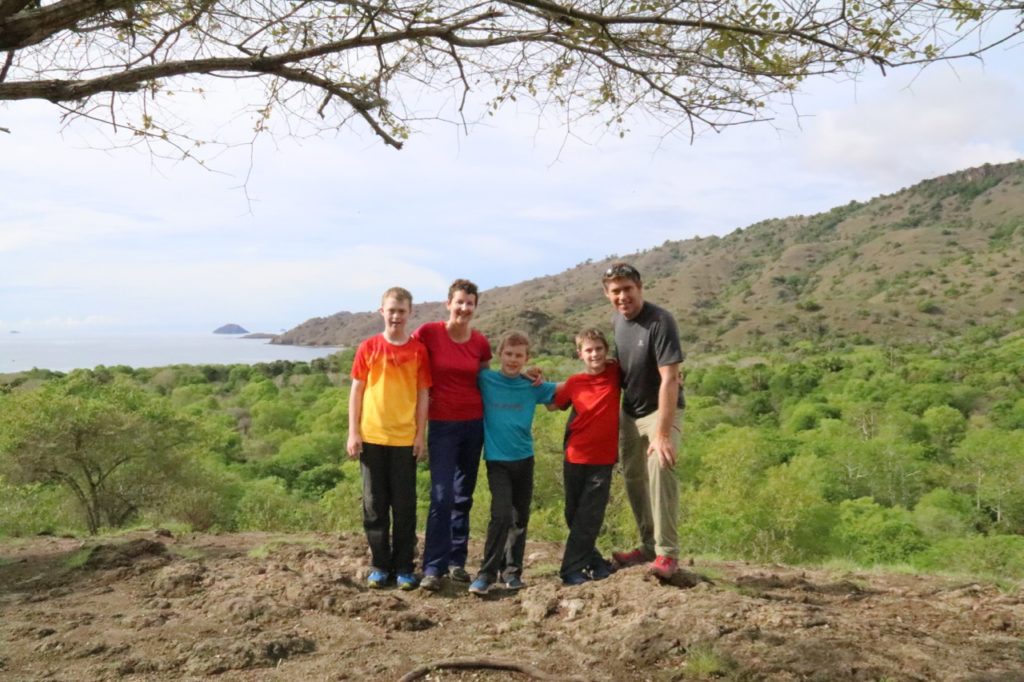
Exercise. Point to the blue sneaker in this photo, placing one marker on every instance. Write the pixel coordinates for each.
(575, 578)
(377, 579)
(480, 586)
(407, 581)
(514, 583)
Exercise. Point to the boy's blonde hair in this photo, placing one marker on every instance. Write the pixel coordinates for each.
(514, 338)
(397, 293)
(591, 334)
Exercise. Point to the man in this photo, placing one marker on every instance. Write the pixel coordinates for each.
(649, 353)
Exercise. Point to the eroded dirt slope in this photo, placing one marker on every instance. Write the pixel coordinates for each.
(152, 606)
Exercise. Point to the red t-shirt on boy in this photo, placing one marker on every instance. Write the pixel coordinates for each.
(592, 432)
(454, 395)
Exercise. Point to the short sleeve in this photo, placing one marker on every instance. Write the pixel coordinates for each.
(563, 397)
(423, 378)
(360, 366)
(667, 349)
(545, 393)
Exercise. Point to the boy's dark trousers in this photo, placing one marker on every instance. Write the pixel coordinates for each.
(389, 489)
(511, 484)
(587, 487)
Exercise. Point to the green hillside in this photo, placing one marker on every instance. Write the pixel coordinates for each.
(922, 264)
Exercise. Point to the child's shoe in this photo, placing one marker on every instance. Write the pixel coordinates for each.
(514, 583)
(377, 579)
(431, 583)
(458, 574)
(407, 581)
(480, 586)
(601, 570)
(575, 578)
(663, 567)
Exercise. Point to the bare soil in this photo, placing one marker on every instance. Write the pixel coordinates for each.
(152, 606)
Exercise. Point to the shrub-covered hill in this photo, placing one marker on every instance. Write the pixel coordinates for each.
(918, 265)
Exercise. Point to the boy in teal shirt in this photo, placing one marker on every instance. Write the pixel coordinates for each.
(509, 404)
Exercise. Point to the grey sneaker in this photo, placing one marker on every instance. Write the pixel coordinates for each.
(431, 583)
(459, 574)
(514, 583)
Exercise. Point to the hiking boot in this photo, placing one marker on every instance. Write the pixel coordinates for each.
(575, 578)
(480, 586)
(431, 583)
(663, 567)
(377, 579)
(407, 581)
(601, 570)
(514, 583)
(626, 559)
(458, 574)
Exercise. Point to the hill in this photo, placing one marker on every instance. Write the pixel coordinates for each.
(926, 262)
(253, 606)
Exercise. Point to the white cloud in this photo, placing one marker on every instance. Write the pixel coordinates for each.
(939, 124)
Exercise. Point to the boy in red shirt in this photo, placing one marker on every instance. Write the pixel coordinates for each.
(591, 450)
(386, 425)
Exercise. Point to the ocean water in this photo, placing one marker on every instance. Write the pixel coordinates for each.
(63, 353)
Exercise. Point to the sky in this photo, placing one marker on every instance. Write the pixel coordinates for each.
(96, 240)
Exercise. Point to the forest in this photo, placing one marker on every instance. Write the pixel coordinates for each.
(818, 453)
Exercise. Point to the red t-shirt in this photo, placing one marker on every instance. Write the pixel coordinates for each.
(454, 395)
(592, 432)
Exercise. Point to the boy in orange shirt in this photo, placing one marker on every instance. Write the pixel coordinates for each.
(386, 429)
(591, 450)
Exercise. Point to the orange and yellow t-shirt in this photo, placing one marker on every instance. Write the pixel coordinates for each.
(393, 374)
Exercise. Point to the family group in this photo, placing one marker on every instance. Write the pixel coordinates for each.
(432, 391)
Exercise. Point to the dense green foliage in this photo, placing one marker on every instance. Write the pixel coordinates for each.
(869, 454)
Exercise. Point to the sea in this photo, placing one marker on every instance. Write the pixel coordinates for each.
(65, 352)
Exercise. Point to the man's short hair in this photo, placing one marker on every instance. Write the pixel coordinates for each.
(591, 334)
(465, 286)
(621, 270)
(513, 338)
(397, 293)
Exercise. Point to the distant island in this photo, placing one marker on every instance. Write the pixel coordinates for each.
(260, 335)
(231, 329)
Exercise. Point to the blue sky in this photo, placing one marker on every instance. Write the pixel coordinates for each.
(97, 240)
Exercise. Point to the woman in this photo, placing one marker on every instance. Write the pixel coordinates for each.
(456, 433)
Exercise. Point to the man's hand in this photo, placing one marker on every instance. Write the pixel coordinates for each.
(419, 448)
(665, 448)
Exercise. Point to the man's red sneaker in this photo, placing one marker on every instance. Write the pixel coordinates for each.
(625, 559)
(663, 567)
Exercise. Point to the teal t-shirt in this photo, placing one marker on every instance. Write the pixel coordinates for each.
(509, 405)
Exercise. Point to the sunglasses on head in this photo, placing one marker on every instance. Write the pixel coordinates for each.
(622, 270)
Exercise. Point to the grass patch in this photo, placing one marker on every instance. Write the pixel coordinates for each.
(703, 662)
(78, 559)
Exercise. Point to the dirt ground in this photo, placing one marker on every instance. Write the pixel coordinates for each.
(152, 606)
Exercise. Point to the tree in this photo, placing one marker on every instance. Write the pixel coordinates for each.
(695, 65)
(115, 447)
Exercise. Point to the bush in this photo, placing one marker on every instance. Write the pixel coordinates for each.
(266, 505)
(872, 534)
(1000, 556)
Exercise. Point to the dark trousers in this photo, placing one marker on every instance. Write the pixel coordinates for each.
(511, 486)
(389, 506)
(454, 448)
(587, 487)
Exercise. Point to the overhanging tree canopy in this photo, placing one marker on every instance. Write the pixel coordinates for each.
(698, 63)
